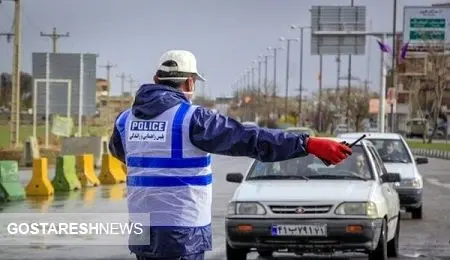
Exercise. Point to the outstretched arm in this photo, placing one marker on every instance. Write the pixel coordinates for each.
(219, 134)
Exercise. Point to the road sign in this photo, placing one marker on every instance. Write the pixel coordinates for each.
(330, 26)
(426, 27)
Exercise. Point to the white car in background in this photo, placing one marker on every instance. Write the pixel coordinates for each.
(303, 206)
(249, 123)
(398, 158)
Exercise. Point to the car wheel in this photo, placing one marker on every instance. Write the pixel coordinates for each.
(265, 253)
(392, 246)
(236, 253)
(380, 253)
(416, 213)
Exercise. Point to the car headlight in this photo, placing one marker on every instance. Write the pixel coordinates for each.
(246, 208)
(357, 209)
(410, 183)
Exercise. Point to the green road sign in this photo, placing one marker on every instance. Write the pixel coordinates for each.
(427, 35)
(427, 23)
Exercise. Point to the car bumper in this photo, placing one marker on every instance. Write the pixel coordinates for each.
(410, 198)
(337, 239)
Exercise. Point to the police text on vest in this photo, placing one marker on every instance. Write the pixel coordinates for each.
(147, 131)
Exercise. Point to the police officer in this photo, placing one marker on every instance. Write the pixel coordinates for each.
(166, 142)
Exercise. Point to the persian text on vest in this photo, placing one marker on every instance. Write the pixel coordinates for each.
(147, 131)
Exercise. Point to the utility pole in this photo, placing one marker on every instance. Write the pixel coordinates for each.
(55, 37)
(131, 84)
(15, 79)
(122, 88)
(108, 68)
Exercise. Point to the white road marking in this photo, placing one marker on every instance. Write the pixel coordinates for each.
(436, 182)
(216, 253)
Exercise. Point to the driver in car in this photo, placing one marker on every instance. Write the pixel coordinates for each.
(390, 153)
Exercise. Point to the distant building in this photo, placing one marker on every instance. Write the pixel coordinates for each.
(101, 90)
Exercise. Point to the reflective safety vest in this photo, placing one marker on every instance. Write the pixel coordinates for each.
(168, 176)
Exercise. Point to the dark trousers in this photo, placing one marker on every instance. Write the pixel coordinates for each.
(199, 256)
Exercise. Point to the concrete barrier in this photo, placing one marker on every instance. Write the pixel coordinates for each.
(439, 154)
(10, 187)
(86, 145)
(112, 171)
(66, 178)
(40, 184)
(85, 170)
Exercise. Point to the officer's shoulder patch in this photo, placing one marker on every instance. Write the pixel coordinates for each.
(147, 131)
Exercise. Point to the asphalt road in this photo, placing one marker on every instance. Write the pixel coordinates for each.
(425, 239)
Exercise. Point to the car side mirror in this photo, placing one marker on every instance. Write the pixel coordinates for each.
(391, 177)
(235, 177)
(421, 160)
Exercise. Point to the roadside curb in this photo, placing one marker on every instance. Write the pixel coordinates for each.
(439, 154)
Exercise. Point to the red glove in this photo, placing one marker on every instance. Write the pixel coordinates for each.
(328, 150)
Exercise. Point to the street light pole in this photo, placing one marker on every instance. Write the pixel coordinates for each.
(300, 98)
(288, 47)
(266, 87)
(274, 90)
(286, 97)
(394, 60)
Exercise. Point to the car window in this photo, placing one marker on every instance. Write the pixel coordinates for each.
(392, 150)
(355, 166)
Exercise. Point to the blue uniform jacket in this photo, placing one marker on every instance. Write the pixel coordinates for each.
(213, 133)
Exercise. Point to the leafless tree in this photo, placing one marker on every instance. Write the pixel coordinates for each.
(438, 79)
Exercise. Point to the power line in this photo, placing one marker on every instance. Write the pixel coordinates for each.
(55, 37)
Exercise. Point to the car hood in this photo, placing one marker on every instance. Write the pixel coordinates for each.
(406, 170)
(300, 190)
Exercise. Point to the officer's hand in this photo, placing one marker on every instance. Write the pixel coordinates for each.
(327, 150)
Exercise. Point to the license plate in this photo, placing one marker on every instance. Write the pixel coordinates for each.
(300, 230)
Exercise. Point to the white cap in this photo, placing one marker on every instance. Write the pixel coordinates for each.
(186, 62)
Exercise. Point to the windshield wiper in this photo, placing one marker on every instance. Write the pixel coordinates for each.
(278, 177)
(333, 176)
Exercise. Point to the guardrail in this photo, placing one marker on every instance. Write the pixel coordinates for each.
(440, 154)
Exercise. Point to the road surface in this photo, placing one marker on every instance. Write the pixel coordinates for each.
(422, 239)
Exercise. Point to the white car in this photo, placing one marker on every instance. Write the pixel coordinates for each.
(303, 206)
(249, 123)
(398, 158)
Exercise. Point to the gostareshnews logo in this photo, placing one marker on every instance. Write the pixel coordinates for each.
(75, 229)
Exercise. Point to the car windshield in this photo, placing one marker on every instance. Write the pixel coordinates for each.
(301, 131)
(355, 167)
(392, 151)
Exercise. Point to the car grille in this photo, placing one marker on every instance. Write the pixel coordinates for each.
(300, 209)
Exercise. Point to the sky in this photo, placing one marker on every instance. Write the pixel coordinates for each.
(225, 36)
